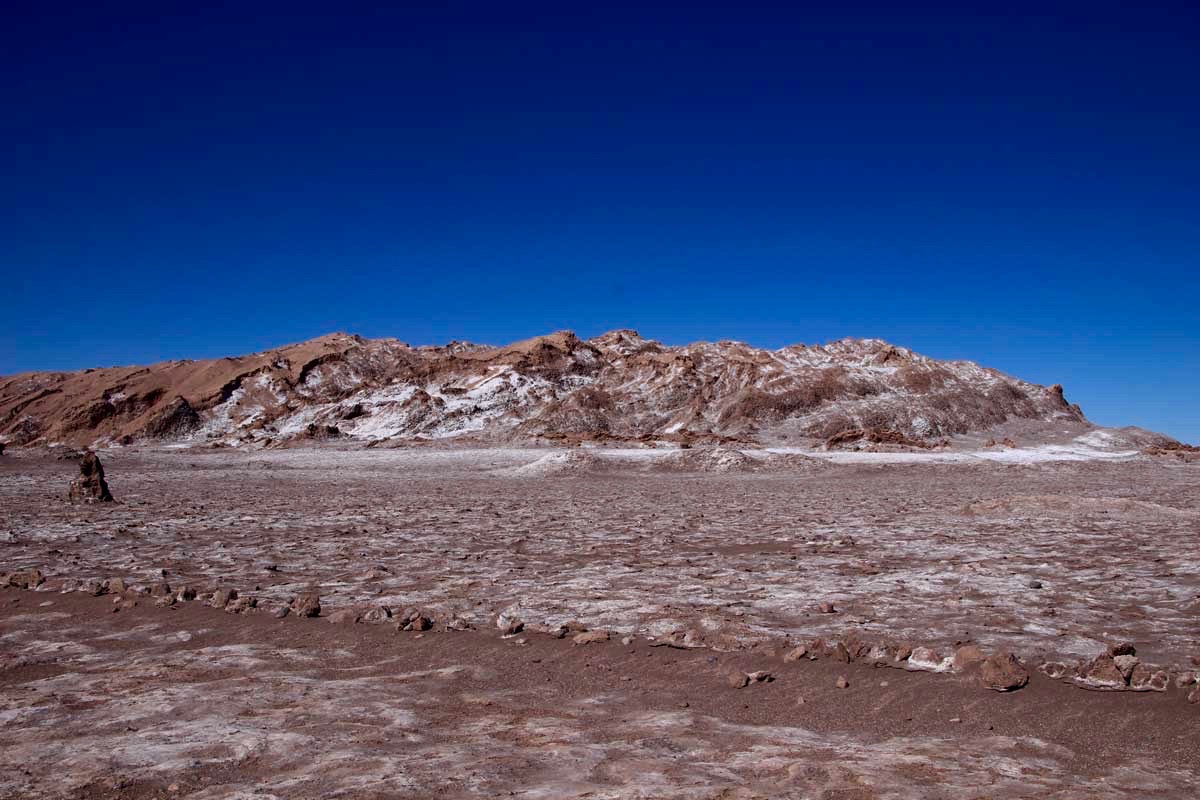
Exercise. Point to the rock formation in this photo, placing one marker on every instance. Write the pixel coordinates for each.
(90, 486)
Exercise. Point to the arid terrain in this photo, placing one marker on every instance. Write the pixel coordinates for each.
(602, 623)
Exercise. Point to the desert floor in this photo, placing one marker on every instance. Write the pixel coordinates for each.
(695, 570)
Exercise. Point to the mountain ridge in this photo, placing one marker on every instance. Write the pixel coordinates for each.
(618, 386)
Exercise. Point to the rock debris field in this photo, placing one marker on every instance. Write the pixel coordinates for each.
(606, 624)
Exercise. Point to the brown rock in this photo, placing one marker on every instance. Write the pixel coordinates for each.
(1122, 649)
(1003, 673)
(795, 654)
(90, 486)
(187, 594)
(513, 627)
(968, 656)
(826, 608)
(738, 680)
(1104, 672)
(590, 637)
(281, 612)
(307, 605)
(26, 579)
(241, 605)
(160, 589)
(1147, 679)
(221, 597)
(842, 683)
(376, 614)
(344, 616)
(760, 676)
(116, 586)
(1194, 697)
(1055, 669)
(1125, 664)
(840, 653)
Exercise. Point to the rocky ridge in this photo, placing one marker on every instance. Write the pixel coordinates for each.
(616, 387)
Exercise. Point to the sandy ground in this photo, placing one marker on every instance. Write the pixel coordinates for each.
(1051, 560)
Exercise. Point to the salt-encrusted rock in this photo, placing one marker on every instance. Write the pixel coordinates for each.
(924, 658)
(90, 486)
(459, 624)
(1003, 673)
(590, 637)
(760, 676)
(307, 605)
(376, 614)
(1055, 669)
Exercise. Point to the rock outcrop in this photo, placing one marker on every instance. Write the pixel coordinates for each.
(90, 486)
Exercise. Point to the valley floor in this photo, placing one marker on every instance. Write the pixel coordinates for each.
(692, 573)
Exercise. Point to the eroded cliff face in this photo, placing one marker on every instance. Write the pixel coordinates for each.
(615, 387)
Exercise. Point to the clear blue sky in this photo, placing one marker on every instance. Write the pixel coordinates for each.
(1020, 187)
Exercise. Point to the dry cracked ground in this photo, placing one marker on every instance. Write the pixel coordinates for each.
(685, 583)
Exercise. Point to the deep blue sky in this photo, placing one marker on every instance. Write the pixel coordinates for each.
(1019, 187)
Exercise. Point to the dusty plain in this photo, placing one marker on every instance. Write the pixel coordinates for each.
(694, 576)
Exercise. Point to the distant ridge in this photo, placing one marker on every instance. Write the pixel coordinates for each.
(557, 387)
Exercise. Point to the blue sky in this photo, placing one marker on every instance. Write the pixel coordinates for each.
(1020, 188)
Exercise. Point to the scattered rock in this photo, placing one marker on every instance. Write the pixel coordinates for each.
(459, 624)
(924, 658)
(795, 654)
(513, 627)
(26, 579)
(1035, 584)
(842, 683)
(221, 597)
(966, 657)
(186, 594)
(90, 486)
(826, 608)
(760, 676)
(1003, 673)
(1125, 664)
(590, 637)
(345, 616)
(376, 615)
(241, 605)
(1194, 697)
(115, 586)
(160, 589)
(307, 605)
(1103, 672)
(1144, 678)
(738, 679)
(411, 619)
(1055, 669)
(281, 612)
(1122, 649)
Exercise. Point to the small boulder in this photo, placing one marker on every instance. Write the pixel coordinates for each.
(966, 657)
(241, 605)
(826, 608)
(795, 654)
(344, 616)
(376, 614)
(737, 679)
(307, 605)
(1002, 672)
(590, 637)
(26, 579)
(842, 683)
(221, 597)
